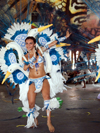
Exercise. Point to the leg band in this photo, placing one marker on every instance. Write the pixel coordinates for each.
(46, 105)
(32, 114)
(52, 104)
(32, 111)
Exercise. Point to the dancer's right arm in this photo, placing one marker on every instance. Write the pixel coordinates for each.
(26, 65)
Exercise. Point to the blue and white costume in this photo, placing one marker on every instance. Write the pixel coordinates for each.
(33, 59)
(38, 82)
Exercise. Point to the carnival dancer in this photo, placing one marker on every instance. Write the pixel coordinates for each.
(37, 78)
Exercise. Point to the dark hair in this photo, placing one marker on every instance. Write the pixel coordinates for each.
(32, 38)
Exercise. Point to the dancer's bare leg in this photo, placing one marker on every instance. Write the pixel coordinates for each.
(49, 124)
(46, 96)
(31, 98)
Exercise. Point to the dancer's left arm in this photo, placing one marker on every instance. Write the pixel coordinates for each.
(55, 42)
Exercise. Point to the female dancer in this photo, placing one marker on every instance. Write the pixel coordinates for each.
(37, 80)
(37, 77)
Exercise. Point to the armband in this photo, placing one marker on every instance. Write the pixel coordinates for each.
(58, 42)
(46, 46)
(60, 39)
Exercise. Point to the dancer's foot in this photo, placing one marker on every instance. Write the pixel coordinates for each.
(51, 127)
(37, 123)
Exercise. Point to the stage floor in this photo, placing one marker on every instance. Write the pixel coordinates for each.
(80, 112)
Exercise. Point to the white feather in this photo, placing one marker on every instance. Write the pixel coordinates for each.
(48, 62)
(47, 31)
(7, 36)
(55, 35)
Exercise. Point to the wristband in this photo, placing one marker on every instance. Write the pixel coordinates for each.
(26, 63)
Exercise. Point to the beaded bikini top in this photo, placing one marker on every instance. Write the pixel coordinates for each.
(33, 59)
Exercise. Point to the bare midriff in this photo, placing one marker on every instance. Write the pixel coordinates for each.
(37, 72)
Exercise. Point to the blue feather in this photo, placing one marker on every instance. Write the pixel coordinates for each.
(13, 86)
(8, 81)
(1, 72)
(55, 56)
(65, 51)
(19, 77)
(43, 39)
(8, 60)
(18, 33)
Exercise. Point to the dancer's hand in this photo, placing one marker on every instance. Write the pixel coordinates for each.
(26, 62)
(68, 33)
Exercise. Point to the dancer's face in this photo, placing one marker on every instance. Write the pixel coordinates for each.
(30, 44)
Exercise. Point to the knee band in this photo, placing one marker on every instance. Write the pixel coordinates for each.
(46, 105)
(52, 104)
